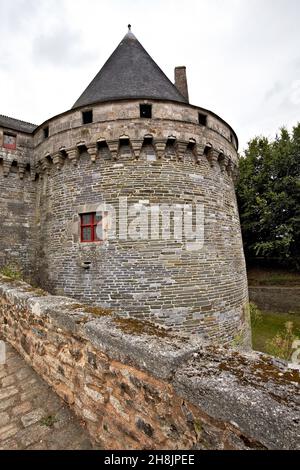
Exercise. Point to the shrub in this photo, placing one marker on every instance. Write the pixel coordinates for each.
(282, 343)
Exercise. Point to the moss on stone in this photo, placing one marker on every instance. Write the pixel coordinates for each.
(260, 372)
(197, 427)
(24, 287)
(137, 327)
(38, 291)
(48, 421)
(97, 311)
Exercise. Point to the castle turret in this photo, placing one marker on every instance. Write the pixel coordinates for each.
(136, 207)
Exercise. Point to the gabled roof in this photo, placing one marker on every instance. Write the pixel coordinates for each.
(16, 124)
(129, 73)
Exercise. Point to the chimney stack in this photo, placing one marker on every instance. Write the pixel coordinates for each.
(181, 81)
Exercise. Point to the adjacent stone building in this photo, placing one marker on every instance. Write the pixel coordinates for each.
(132, 142)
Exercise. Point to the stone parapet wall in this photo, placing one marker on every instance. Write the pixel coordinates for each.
(19, 160)
(114, 121)
(108, 118)
(276, 298)
(138, 387)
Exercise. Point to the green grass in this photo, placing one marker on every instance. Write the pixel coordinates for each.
(269, 325)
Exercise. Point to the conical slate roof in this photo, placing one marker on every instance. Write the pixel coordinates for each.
(129, 73)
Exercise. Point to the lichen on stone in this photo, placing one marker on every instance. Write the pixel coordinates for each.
(97, 311)
(137, 327)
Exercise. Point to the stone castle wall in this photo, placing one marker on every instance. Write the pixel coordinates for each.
(137, 387)
(17, 205)
(169, 159)
(202, 291)
(276, 298)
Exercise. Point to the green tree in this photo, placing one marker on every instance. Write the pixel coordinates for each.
(268, 194)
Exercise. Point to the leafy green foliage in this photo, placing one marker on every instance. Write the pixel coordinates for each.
(12, 272)
(269, 332)
(282, 343)
(255, 314)
(269, 198)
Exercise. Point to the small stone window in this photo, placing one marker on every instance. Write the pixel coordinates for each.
(92, 227)
(146, 111)
(87, 117)
(9, 141)
(202, 119)
(46, 132)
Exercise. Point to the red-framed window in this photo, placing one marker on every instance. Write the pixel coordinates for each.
(91, 227)
(9, 141)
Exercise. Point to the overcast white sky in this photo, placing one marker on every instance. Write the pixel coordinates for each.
(242, 56)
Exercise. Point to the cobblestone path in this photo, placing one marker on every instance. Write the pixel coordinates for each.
(32, 416)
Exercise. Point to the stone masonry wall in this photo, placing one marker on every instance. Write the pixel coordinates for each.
(276, 298)
(47, 182)
(17, 206)
(64, 128)
(200, 292)
(138, 387)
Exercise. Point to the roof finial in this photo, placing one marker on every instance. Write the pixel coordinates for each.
(129, 27)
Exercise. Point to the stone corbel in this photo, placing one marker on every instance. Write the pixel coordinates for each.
(92, 150)
(230, 168)
(223, 162)
(73, 155)
(236, 173)
(181, 149)
(22, 168)
(6, 167)
(160, 147)
(58, 160)
(136, 146)
(199, 152)
(212, 157)
(33, 172)
(113, 146)
(45, 164)
(38, 168)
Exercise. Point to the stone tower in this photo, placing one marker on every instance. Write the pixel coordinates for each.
(131, 142)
